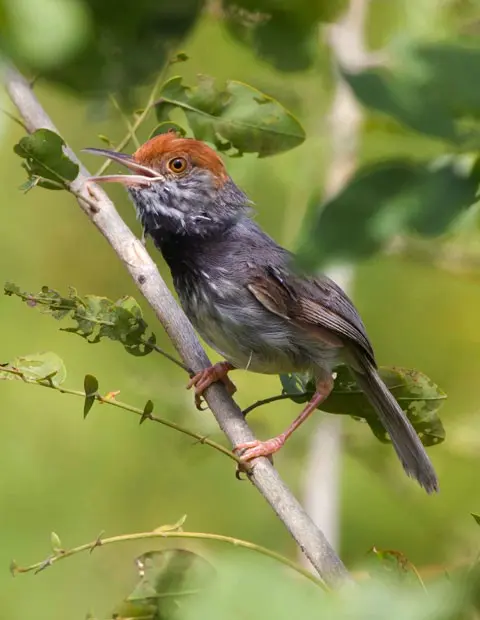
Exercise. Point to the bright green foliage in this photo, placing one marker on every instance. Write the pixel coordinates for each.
(45, 160)
(98, 317)
(416, 394)
(282, 32)
(383, 200)
(94, 317)
(167, 580)
(277, 596)
(232, 116)
(56, 543)
(46, 366)
(394, 564)
(429, 89)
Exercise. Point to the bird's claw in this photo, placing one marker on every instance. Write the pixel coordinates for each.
(204, 379)
(254, 449)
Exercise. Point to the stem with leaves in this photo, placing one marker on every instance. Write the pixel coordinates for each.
(101, 211)
(162, 532)
(110, 399)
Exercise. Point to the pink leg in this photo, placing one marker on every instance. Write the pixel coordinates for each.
(203, 379)
(253, 449)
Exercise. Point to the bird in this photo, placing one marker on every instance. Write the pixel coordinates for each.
(245, 294)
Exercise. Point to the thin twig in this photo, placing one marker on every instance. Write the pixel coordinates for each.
(165, 533)
(121, 405)
(75, 315)
(273, 399)
(169, 357)
(150, 104)
(13, 118)
(146, 276)
(126, 121)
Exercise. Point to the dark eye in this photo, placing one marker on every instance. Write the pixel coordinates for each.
(177, 165)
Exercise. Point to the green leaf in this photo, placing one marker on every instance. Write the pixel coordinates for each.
(105, 139)
(56, 543)
(232, 116)
(381, 201)
(30, 184)
(394, 563)
(430, 88)
(90, 386)
(131, 610)
(416, 394)
(476, 517)
(173, 527)
(180, 57)
(44, 367)
(45, 160)
(94, 317)
(147, 411)
(282, 33)
(167, 579)
(13, 568)
(294, 385)
(278, 596)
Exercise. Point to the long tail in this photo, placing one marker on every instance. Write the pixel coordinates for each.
(405, 440)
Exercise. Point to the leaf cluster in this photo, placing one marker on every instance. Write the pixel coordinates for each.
(180, 584)
(418, 396)
(94, 317)
(426, 89)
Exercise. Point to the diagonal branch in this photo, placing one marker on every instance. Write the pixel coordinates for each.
(101, 211)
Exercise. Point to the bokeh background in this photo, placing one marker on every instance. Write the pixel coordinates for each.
(78, 477)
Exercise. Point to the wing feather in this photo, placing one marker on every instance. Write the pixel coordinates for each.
(317, 305)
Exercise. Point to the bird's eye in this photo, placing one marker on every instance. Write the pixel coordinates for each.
(177, 165)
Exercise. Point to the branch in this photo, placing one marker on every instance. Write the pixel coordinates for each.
(148, 280)
(273, 399)
(126, 121)
(166, 532)
(109, 400)
(56, 304)
(131, 132)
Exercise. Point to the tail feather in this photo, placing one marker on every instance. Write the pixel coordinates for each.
(405, 440)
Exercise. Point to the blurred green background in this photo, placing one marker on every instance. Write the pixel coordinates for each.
(79, 477)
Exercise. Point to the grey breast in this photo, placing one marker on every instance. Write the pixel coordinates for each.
(238, 327)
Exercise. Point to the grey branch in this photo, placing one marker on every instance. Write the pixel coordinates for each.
(146, 276)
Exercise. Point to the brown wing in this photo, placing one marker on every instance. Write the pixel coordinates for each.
(315, 304)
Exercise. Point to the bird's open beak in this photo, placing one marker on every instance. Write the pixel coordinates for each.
(142, 174)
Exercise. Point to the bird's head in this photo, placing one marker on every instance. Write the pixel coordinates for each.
(179, 186)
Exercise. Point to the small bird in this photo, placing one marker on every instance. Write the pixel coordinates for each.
(243, 293)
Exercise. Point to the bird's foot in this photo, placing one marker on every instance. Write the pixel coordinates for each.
(253, 449)
(203, 379)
